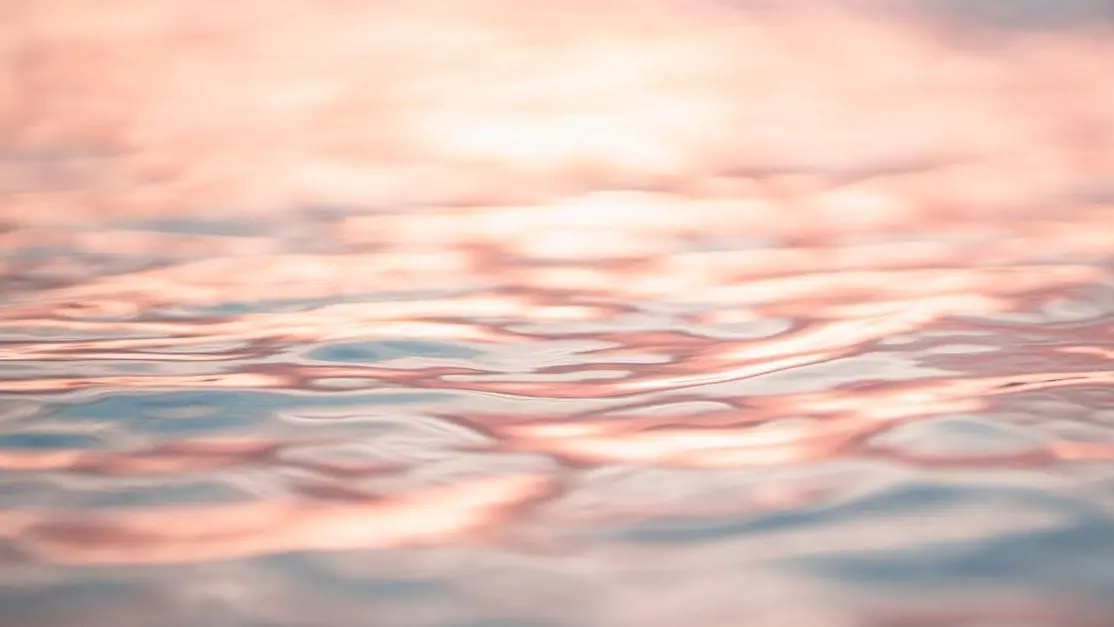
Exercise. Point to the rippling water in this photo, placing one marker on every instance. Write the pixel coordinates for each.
(853, 372)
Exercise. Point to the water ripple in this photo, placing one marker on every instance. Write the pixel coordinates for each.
(580, 317)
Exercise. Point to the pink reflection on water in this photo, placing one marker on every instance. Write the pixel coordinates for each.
(768, 218)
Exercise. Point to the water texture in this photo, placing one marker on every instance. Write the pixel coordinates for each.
(854, 371)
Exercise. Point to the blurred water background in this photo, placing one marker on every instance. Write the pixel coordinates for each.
(324, 313)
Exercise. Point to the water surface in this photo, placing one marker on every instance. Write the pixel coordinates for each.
(865, 382)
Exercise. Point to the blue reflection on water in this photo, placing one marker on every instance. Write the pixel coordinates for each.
(1073, 558)
(371, 352)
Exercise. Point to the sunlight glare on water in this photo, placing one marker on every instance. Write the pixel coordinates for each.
(324, 313)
